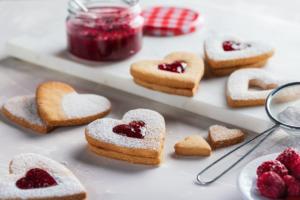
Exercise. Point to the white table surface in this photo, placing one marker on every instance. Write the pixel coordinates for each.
(104, 178)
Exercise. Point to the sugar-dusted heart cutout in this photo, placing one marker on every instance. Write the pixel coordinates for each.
(148, 143)
(239, 92)
(228, 51)
(33, 176)
(193, 145)
(60, 105)
(179, 70)
(23, 111)
(220, 136)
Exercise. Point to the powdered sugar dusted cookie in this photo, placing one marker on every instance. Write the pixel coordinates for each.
(33, 176)
(60, 105)
(140, 134)
(23, 111)
(178, 71)
(220, 136)
(239, 85)
(227, 51)
(193, 145)
(218, 72)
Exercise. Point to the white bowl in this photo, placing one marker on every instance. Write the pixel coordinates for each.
(247, 178)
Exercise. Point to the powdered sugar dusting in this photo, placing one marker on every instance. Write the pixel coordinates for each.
(24, 107)
(101, 129)
(68, 184)
(290, 116)
(214, 49)
(218, 133)
(238, 83)
(76, 105)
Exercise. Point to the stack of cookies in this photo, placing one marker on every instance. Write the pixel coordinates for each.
(137, 138)
(178, 73)
(55, 104)
(33, 176)
(224, 54)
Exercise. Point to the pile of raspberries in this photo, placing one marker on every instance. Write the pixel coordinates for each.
(280, 178)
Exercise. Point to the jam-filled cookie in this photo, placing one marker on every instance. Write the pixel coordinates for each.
(138, 137)
(178, 73)
(225, 54)
(32, 176)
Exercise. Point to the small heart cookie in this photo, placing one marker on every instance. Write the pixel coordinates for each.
(60, 105)
(23, 111)
(178, 73)
(137, 138)
(193, 145)
(220, 136)
(226, 51)
(33, 176)
(240, 82)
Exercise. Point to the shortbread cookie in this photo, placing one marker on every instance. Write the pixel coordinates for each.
(225, 51)
(238, 90)
(178, 70)
(140, 133)
(126, 157)
(220, 136)
(166, 89)
(32, 176)
(22, 110)
(193, 145)
(60, 105)
(209, 72)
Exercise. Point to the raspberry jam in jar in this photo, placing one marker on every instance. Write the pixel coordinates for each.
(109, 30)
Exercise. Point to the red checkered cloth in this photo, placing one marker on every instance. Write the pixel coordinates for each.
(170, 21)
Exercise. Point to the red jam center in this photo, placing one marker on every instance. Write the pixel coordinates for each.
(176, 67)
(234, 46)
(135, 129)
(36, 178)
(111, 34)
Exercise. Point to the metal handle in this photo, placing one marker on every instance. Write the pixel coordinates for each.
(268, 131)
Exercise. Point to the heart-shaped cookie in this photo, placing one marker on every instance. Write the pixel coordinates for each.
(226, 51)
(239, 86)
(193, 145)
(139, 134)
(220, 136)
(60, 105)
(176, 72)
(23, 111)
(33, 176)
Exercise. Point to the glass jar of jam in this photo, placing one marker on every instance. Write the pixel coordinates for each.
(110, 29)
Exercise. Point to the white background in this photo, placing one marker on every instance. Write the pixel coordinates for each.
(108, 179)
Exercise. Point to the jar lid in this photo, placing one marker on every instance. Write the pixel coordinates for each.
(170, 21)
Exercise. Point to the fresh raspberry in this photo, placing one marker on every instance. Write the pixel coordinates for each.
(295, 169)
(271, 185)
(293, 186)
(288, 157)
(272, 165)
